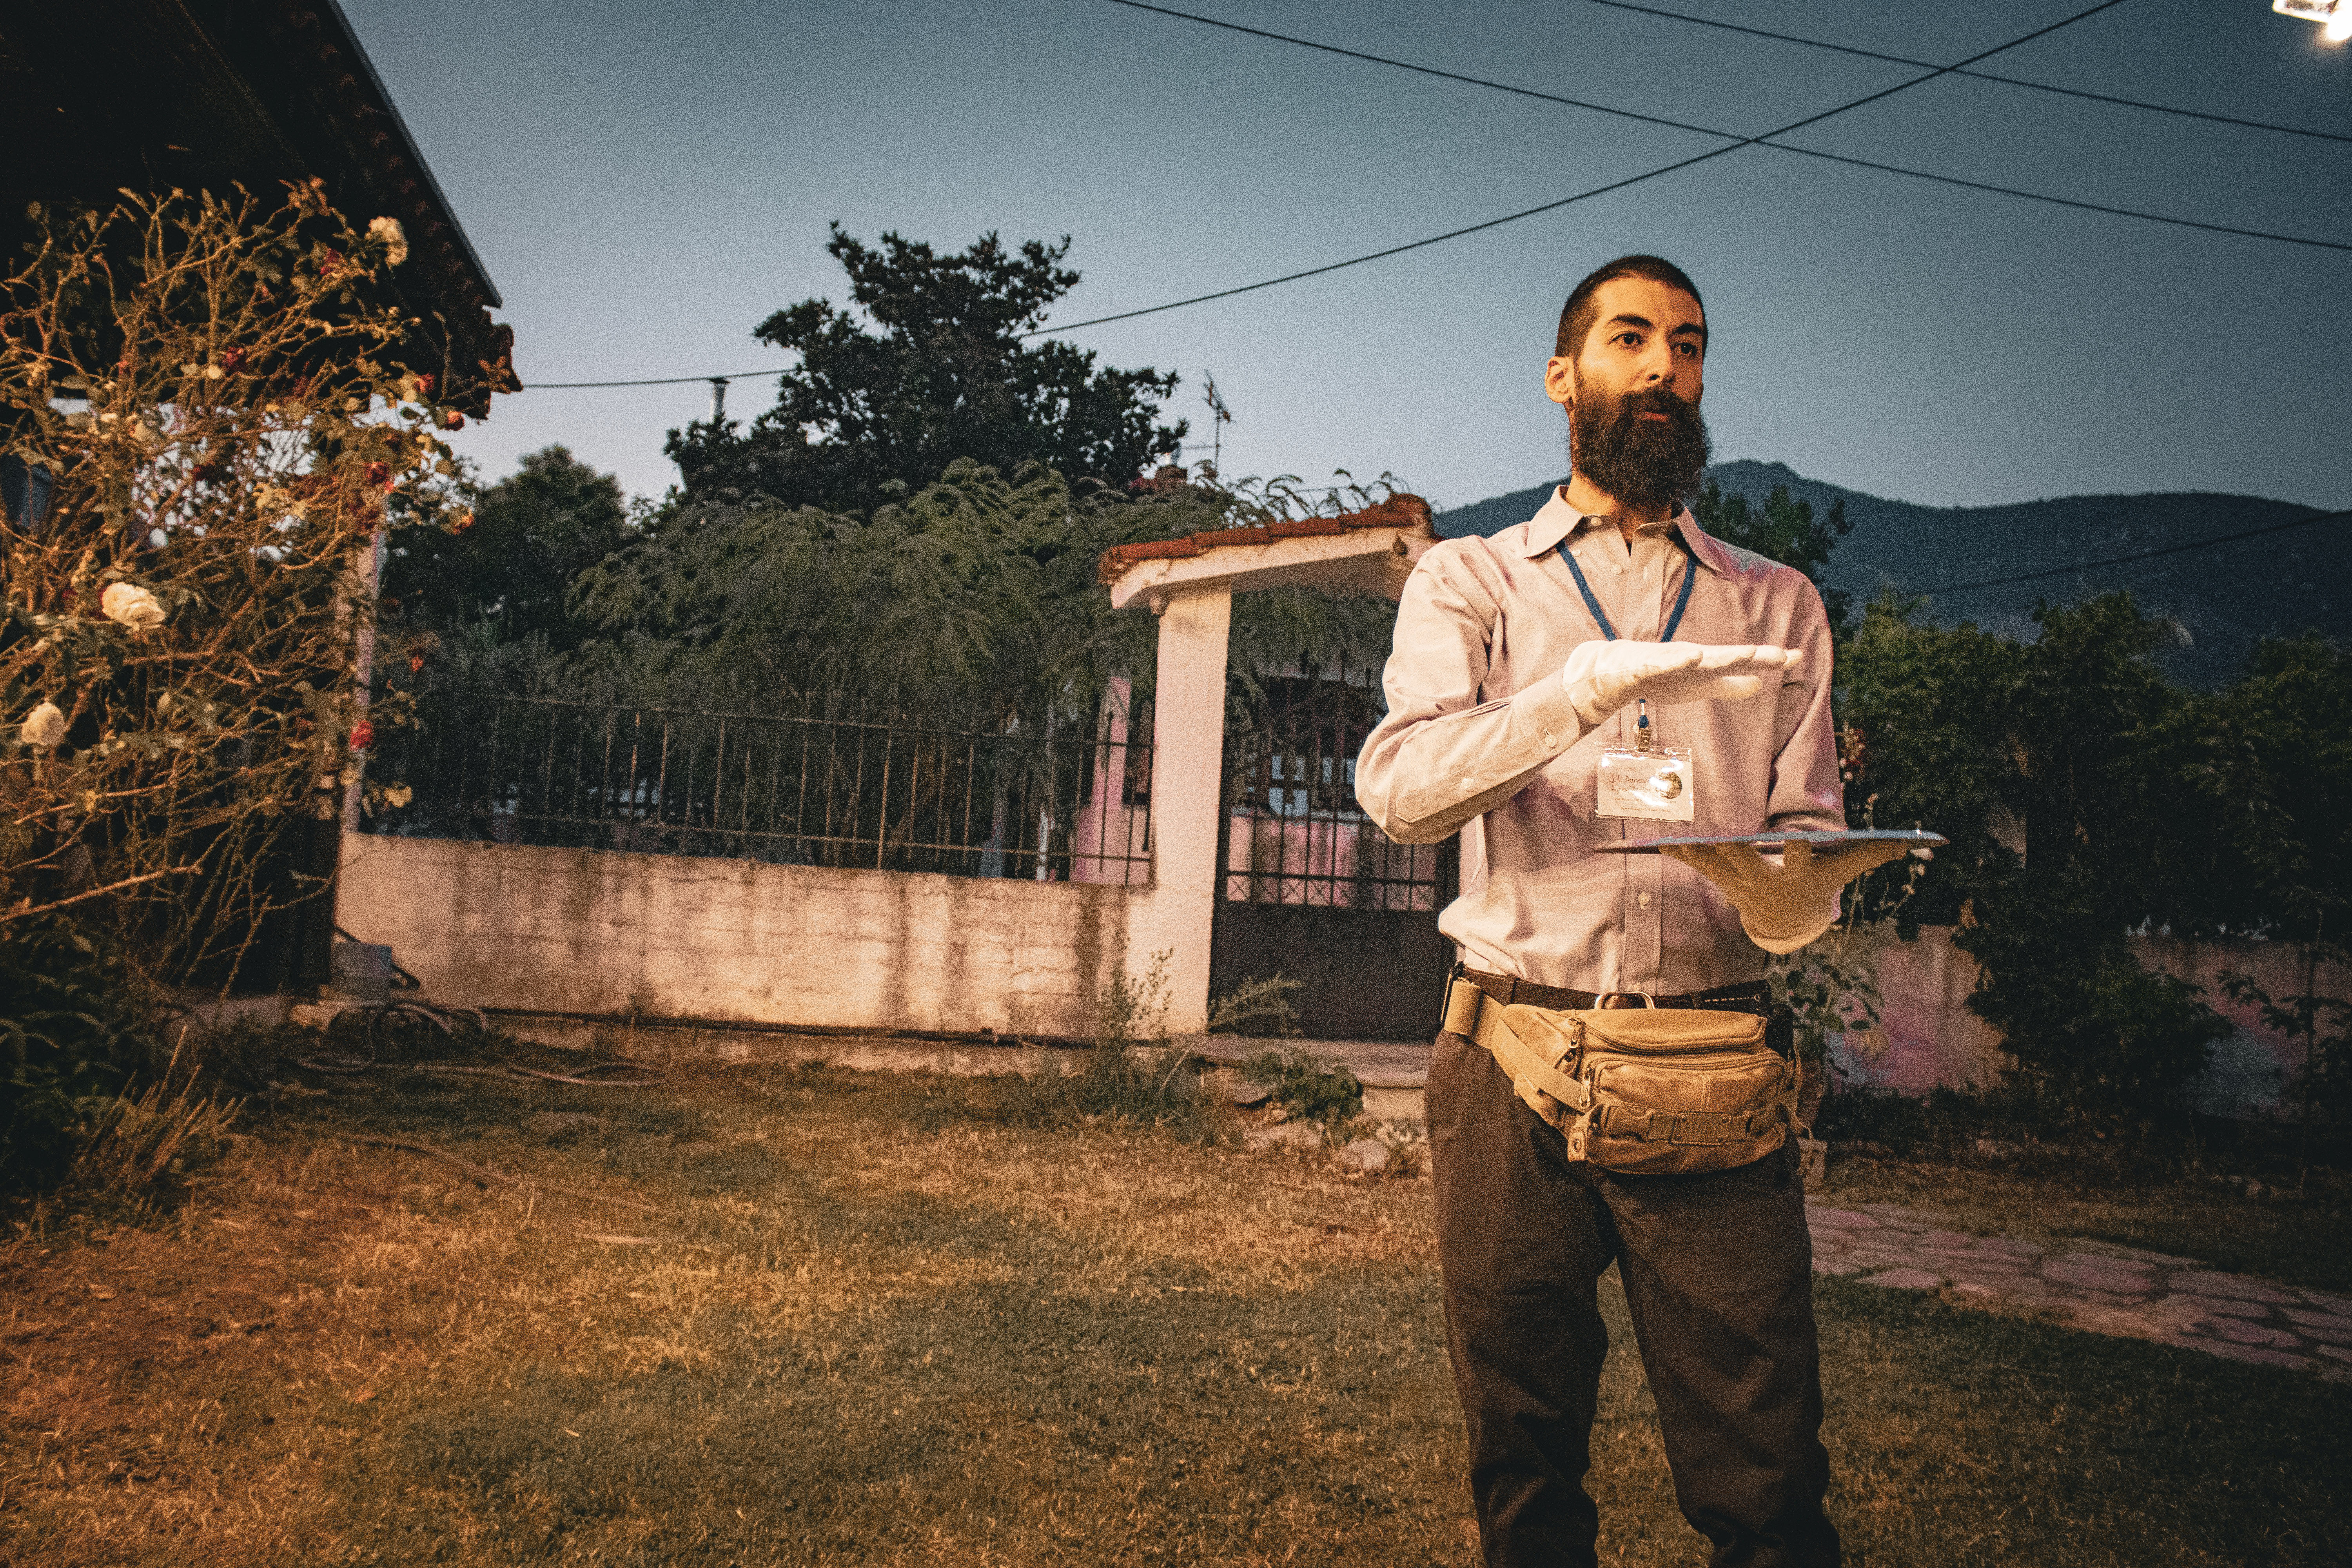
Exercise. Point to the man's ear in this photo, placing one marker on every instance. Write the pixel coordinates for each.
(1559, 380)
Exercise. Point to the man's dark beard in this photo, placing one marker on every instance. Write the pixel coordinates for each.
(1641, 462)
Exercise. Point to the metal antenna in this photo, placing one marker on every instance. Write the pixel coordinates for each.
(1221, 418)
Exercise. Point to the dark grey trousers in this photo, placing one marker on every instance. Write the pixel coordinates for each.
(1719, 1274)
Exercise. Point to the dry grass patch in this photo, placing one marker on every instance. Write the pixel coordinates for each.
(878, 1324)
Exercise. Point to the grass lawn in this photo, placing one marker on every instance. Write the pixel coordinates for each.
(879, 1323)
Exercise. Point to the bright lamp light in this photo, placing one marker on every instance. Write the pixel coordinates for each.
(2334, 17)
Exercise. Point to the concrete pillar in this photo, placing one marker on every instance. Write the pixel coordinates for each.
(1187, 790)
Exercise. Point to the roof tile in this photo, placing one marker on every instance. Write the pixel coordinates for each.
(1399, 511)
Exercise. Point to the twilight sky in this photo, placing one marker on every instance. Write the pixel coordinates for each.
(647, 183)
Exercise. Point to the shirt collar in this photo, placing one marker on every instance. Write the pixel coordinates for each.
(1557, 520)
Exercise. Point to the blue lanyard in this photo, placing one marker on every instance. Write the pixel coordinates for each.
(1682, 600)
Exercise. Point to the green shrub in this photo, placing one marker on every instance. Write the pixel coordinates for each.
(1310, 1087)
(1255, 1008)
(2097, 1039)
(1134, 1008)
(2323, 1024)
(75, 1027)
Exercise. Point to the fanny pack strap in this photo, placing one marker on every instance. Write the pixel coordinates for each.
(1693, 1126)
(1470, 1012)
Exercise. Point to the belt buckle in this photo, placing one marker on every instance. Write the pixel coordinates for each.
(1609, 1000)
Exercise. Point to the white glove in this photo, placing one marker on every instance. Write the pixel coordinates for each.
(1785, 904)
(1602, 677)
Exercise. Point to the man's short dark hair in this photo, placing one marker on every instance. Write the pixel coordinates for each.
(1577, 316)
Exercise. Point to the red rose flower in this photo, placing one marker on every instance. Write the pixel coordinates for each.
(362, 735)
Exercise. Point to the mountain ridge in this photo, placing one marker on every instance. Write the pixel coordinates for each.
(2223, 598)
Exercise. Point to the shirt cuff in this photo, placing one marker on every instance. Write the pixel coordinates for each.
(1545, 721)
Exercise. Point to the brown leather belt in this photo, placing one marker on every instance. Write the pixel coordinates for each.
(1754, 996)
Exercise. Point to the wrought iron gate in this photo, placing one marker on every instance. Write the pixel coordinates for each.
(1313, 890)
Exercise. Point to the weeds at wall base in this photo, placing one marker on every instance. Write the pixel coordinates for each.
(1122, 1084)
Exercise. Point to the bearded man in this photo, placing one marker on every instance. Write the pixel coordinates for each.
(1604, 662)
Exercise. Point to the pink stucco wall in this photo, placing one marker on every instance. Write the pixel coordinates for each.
(1930, 1040)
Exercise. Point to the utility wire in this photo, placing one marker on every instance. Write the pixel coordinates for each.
(1528, 212)
(1980, 75)
(1734, 144)
(1737, 143)
(659, 379)
(2142, 555)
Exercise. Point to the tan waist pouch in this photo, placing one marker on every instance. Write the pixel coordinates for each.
(1643, 1091)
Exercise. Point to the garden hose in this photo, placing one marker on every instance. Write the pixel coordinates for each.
(597, 1075)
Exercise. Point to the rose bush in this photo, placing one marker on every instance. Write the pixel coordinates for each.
(224, 407)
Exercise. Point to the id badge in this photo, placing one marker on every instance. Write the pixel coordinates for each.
(1656, 784)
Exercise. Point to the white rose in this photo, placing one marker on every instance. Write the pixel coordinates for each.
(130, 604)
(396, 242)
(43, 726)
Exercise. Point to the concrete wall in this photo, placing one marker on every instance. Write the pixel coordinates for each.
(595, 931)
(2255, 1068)
(586, 931)
(1927, 1037)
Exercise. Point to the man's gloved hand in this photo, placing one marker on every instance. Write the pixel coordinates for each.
(1783, 904)
(1602, 677)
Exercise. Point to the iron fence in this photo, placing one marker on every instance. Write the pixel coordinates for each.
(1294, 833)
(806, 790)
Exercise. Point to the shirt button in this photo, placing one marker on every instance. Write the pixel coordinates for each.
(1551, 744)
(1642, 900)
(1619, 570)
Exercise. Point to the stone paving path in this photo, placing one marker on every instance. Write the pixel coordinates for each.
(2090, 1285)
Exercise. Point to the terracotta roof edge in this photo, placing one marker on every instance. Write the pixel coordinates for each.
(1402, 511)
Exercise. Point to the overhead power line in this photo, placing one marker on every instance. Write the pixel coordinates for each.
(1733, 144)
(1736, 141)
(2141, 555)
(660, 380)
(1980, 75)
(1528, 212)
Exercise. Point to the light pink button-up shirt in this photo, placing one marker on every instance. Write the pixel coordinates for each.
(1480, 736)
